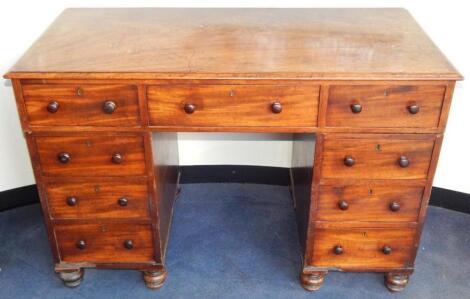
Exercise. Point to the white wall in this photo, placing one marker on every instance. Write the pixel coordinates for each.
(446, 23)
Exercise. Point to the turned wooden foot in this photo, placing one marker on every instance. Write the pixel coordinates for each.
(155, 279)
(312, 281)
(71, 278)
(396, 281)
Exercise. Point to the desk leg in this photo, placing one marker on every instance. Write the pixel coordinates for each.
(71, 278)
(396, 281)
(154, 279)
(312, 281)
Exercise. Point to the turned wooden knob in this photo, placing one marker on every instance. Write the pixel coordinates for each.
(343, 205)
(81, 244)
(71, 201)
(349, 161)
(387, 250)
(128, 244)
(403, 161)
(189, 108)
(109, 107)
(116, 158)
(394, 206)
(53, 106)
(122, 201)
(338, 249)
(276, 107)
(356, 108)
(64, 157)
(413, 109)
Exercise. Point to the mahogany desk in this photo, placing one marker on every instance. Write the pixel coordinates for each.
(103, 91)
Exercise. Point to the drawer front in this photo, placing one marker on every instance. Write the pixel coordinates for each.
(384, 106)
(98, 199)
(376, 158)
(105, 243)
(369, 202)
(363, 248)
(81, 105)
(91, 156)
(233, 105)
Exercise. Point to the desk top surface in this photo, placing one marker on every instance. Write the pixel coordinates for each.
(153, 43)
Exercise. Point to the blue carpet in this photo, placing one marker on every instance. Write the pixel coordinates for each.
(232, 241)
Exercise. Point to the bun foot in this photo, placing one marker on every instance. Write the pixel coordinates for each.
(395, 281)
(155, 279)
(312, 281)
(71, 278)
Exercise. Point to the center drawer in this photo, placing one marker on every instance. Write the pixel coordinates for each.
(119, 198)
(120, 155)
(377, 157)
(101, 243)
(233, 105)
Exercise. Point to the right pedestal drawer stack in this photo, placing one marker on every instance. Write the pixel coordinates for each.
(375, 159)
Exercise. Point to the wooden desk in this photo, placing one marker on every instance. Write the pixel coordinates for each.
(103, 91)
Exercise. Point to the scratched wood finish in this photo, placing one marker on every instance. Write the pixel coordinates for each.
(81, 105)
(233, 105)
(304, 43)
(91, 155)
(105, 242)
(363, 248)
(376, 158)
(369, 202)
(385, 106)
(98, 199)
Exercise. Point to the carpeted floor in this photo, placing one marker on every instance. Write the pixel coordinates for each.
(232, 241)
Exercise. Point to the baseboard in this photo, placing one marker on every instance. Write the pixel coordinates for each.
(440, 197)
(18, 197)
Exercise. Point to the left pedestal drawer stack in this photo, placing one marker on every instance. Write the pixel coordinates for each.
(96, 184)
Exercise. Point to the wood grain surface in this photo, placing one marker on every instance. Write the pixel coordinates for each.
(369, 202)
(362, 248)
(234, 43)
(81, 105)
(384, 106)
(376, 158)
(98, 199)
(233, 105)
(91, 155)
(105, 242)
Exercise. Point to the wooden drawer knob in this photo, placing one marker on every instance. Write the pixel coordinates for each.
(189, 108)
(72, 201)
(128, 244)
(53, 106)
(109, 107)
(276, 107)
(117, 158)
(413, 109)
(356, 108)
(403, 161)
(394, 206)
(122, 201)
(64, 157)
(349, 161)
(81, 244)
(338, 249)
(387, 250)
(343, 205)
